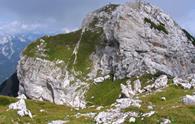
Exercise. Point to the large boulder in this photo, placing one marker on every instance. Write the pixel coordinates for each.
(161, 82)
(21, 108)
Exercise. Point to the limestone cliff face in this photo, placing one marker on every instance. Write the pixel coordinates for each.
(117, 40)
(142, 38)
(44, 80)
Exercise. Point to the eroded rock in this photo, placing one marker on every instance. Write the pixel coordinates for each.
(189, 100)
(21, 108)
(127, 89)
(161, 82)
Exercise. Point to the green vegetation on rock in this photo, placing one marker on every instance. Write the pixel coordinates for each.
(172, 108)
(189, 36)
(90, 40)
(61, 47)
(57, 47)
(159, 27)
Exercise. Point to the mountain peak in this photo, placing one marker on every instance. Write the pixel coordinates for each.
(120, 53)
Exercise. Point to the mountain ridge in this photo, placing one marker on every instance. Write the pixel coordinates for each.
(121, 54)
(106, 47)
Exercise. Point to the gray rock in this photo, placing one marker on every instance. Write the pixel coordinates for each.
(21, 108)
(99, 80)
(58, 122)
(148, 114)
(137, 86)
(127, 102)
(113, 116)
(189, 100)
(165, 121)
(183, 83)
(136, 48)
(88, 115)
(127, 89)
(44, 80)
(161, 82)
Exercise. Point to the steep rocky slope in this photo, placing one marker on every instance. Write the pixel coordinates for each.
(120, 53)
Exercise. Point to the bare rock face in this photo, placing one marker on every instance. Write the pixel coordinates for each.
(43, 80)
(137, 45)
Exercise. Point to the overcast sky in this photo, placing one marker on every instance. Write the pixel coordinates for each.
(68, 14)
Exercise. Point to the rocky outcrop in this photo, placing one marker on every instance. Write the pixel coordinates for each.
(114, 116)
(134, 47)
(21, 108)
(44, 80)
(189, 100)
(188, 82)
(161, 82)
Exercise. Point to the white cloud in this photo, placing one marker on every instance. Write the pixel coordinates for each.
(18, 27)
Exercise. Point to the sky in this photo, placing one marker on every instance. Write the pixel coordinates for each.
(67, 15)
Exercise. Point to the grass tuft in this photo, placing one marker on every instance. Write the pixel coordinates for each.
(159, 27)
(104, 93)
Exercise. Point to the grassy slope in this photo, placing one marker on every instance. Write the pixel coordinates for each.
(60, 47)
(52, 112)
(172, 108)
(104, 93)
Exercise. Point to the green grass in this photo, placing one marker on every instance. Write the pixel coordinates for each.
(104, 93)
(52, 112)
(159, 27)
(58, 47)
(31, 49)
(182, 114)
(90, 40)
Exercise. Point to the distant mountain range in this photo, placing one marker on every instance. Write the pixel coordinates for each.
(10, 49)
